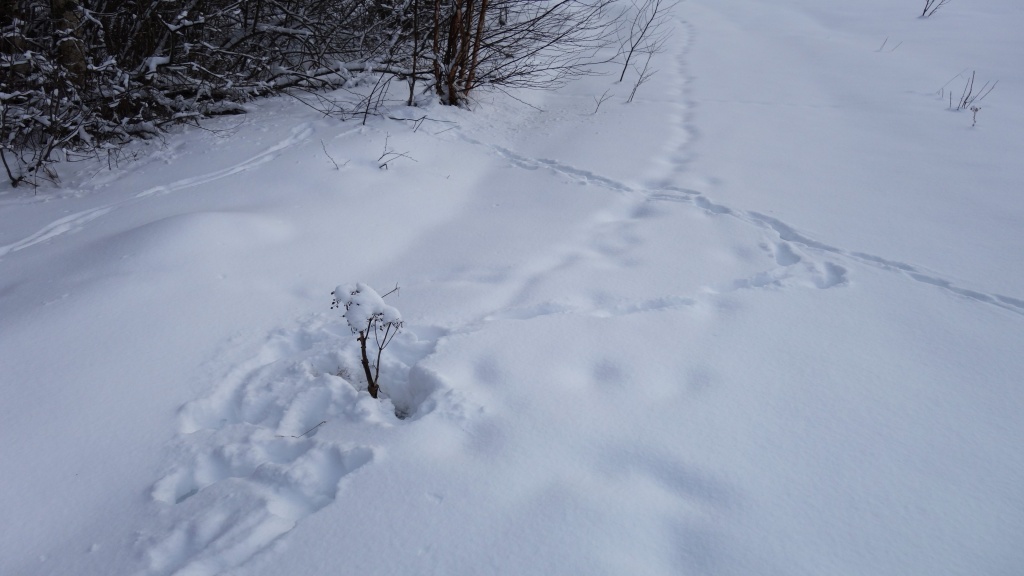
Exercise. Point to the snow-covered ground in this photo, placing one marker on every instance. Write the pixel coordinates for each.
(766, 319)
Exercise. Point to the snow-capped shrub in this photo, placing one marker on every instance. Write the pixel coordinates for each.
(368, 316)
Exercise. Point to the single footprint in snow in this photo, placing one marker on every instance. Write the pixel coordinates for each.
(785, 255)
(833, 275)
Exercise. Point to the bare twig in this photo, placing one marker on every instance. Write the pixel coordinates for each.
(886, 41)
(942, 89)
(598, 100)
(331, 158)
(388, 155)
(643, 75)
(417, 123)
(968, 97)
(931, 6)
(647, 32)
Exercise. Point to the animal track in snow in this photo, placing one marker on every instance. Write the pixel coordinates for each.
(826, 275)
(252, 461)
(238, 498)
(573, 173)
(597, 310)
(834, 274)
(793, 269)
(298, 134)
(64, 225)
(784, 255)
(75, 222)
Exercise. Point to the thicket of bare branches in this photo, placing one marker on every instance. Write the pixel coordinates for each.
(75, 76)
(512, 42)
(78, 76)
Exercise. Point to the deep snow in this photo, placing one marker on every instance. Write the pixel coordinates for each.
(765, 319)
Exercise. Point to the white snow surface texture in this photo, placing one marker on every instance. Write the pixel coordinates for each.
(768, 318)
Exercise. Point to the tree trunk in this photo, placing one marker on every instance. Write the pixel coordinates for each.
(438, 85)
(476, 47)
(415, 49)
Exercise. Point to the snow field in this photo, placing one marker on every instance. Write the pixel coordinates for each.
(747, 324)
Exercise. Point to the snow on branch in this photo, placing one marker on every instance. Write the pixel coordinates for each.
(368, 316)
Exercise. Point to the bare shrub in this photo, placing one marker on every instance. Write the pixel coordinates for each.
(930, 6)
(81, 76)
(968, 96)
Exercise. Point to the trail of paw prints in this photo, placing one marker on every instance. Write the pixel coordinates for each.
(251, 461)
(65, 225)
(614, 241)
(611, 242)
(570, 172)
(594, 308)
(793, 269)
(77, 221)
(297, 135)
(789, 235)
(825, 275)
(828, 273)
